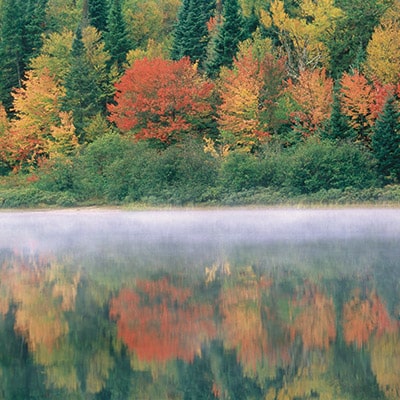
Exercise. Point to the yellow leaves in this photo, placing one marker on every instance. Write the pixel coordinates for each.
(303, 37)
(54, 56)
(385, 363)
(383, 53)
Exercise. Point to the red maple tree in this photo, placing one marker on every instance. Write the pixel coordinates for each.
(159, 99)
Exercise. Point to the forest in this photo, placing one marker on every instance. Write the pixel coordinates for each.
(183, 102)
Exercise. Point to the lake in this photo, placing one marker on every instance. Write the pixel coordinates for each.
(200, 304)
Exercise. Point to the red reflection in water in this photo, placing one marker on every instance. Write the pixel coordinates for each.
(162, 322)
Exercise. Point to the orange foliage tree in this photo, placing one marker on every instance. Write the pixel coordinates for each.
(362, 101)
(316, 322)
(364, 316)
(242, 327)
(249, 92)
(160, 322)
(312, 94)
(160, 99)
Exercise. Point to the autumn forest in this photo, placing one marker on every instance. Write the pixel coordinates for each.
(199, 101)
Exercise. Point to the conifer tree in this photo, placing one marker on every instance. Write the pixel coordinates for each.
(224, 44)
(386, 142)
(338, 127)
(117, 43)
(98, 12)
(191, 33)
(20, 33)
(82, 92)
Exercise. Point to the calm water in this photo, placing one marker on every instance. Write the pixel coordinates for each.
(233, 304)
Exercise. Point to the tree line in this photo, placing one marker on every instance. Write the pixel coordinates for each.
(276, 99)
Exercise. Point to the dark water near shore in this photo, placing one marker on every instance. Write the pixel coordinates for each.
(221, 304)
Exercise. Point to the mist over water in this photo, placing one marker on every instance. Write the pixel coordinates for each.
(92, 228)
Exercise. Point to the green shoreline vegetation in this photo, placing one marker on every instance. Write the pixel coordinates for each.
(199, 103)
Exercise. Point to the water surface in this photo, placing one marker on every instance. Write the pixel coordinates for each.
(209, 304)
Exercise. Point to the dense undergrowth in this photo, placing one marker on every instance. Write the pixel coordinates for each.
(116, 171)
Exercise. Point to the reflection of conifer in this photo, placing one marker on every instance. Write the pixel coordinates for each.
(386, 142)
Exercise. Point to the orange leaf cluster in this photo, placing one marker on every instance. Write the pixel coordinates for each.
(316, 323)
(362, 317)
(159, 322)
(313, 95)
(158, 98)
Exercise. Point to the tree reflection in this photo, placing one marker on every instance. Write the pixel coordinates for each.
(235, 332)
(160, 321)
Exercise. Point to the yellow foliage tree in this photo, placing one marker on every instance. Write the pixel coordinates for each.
(40, 128)
(385, 363)
(383, 53)
(303, 37)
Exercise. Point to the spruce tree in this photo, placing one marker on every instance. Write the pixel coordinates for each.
(20, 32)
(98, 12)
(386, 142)
(224, 45)
(82, 92)
(191, 33)
(338, 127)
(116, 40)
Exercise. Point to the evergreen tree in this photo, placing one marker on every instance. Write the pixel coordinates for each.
(117, 43)
(82, 92)
(338, 127)
(20, 31)
(224, 44)
(386, 142)
(191, 33)
(98, 11)
(347, 45)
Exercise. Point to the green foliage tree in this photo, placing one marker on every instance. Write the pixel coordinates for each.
(386, 142)
(226, 37)
(191, 32)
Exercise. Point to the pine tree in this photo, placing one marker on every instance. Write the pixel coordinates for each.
(386, 142)
(82, 92)
(117, 43)
(191, 33)
(98, 11)
(224, 44)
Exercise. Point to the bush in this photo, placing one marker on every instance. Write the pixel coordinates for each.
(317, 165)
(240, 171)
(91, 166)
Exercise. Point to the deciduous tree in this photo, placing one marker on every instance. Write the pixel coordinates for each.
(313, 95)
(303, 37)
(161, 99)
(383, 53)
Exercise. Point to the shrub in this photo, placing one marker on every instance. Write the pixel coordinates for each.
(317, 165)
